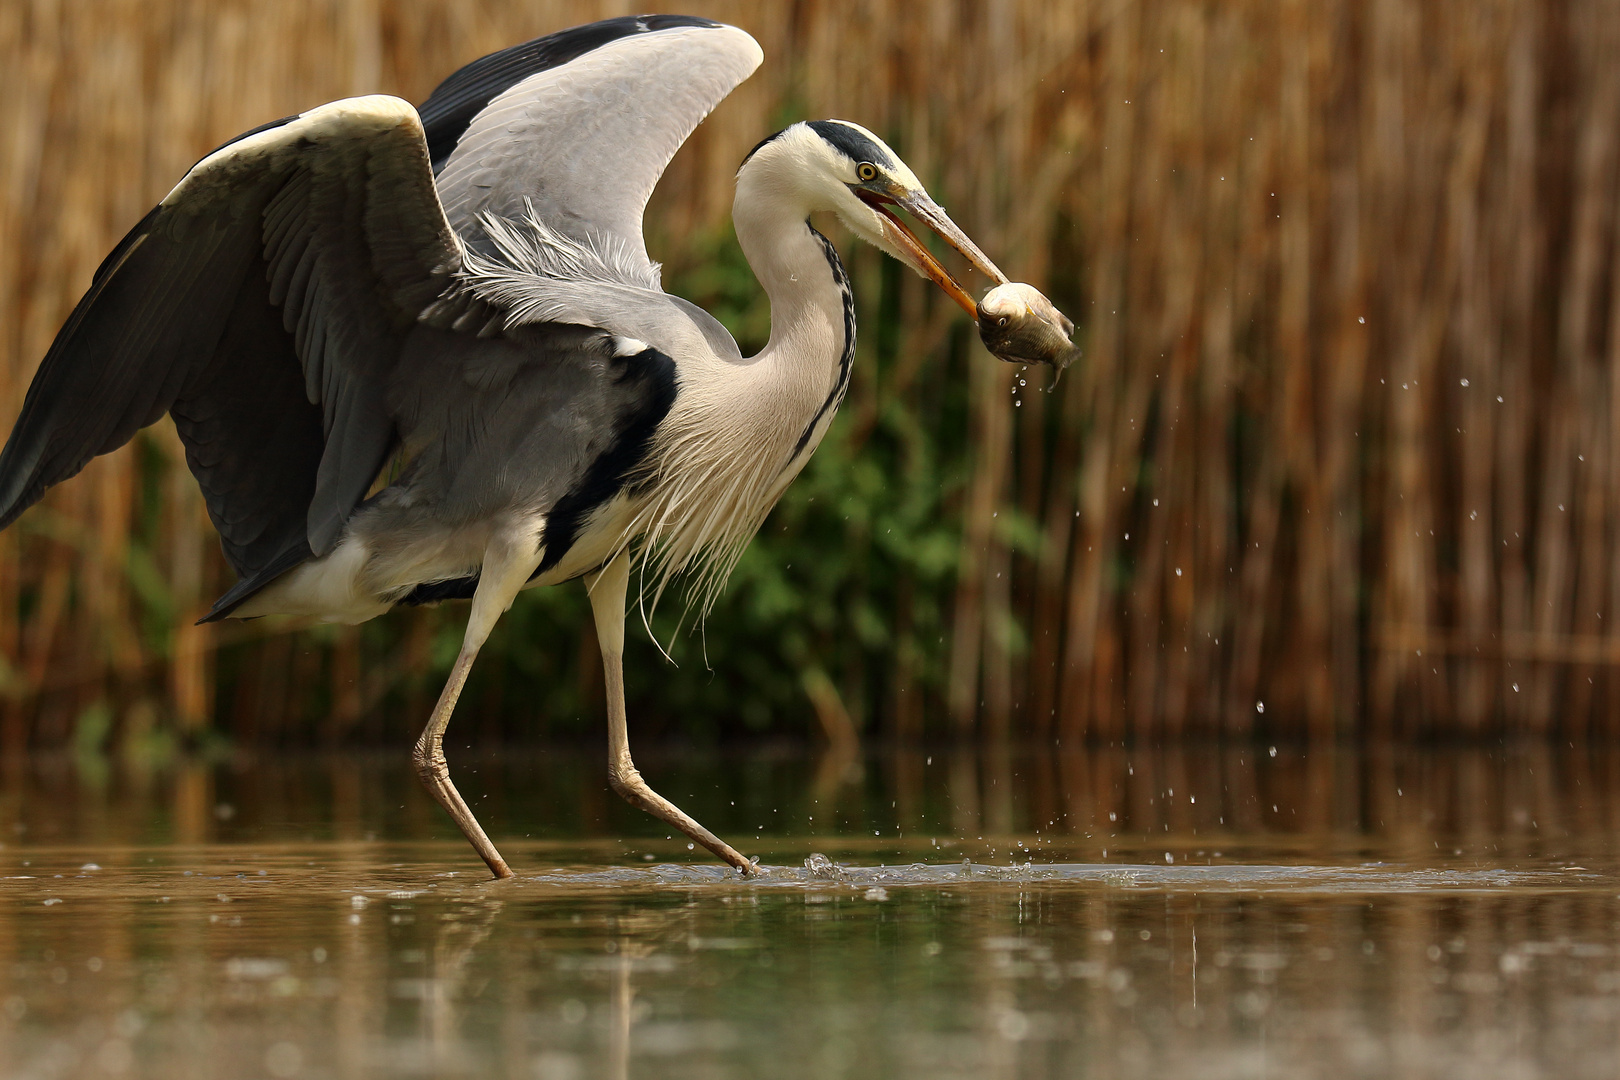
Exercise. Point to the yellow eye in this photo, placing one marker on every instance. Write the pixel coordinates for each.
(866, 171)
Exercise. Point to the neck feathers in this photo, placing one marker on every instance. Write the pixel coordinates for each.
(817, 427)
(740, 432)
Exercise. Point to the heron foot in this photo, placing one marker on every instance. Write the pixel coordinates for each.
(434, 772)
(627, 781)
(607, 591)
(508, 561)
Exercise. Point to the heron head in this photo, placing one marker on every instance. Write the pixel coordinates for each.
(840, 166)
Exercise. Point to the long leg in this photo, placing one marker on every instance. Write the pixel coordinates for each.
(508, 562)
(607, 589)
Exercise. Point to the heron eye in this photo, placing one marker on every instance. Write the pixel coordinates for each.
(866, 171)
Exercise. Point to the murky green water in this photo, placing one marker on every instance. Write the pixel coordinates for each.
(1199, 912)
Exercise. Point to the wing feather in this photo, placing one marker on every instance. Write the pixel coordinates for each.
(447, 113)
(264, 302)
(581, 145)
(330, 216)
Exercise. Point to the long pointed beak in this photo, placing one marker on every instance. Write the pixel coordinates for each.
(930, 213)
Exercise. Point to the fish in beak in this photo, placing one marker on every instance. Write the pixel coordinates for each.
(1016, 322)
(926, 210)
(1019, 325)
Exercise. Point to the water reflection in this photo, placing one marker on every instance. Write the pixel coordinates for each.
(1519, 800)
(1378, 913)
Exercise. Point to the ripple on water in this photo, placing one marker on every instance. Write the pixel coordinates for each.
(818, 871)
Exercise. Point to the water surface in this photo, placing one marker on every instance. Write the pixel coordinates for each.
(1186, 912)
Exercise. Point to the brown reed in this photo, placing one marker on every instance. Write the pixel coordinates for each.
(1340, 453)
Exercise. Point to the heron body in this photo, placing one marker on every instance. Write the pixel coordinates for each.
(420, 355)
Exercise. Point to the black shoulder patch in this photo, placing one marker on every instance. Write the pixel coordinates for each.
(850, 142)
(451, 107)
(649, 379)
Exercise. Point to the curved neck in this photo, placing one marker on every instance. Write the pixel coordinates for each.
(812, 318)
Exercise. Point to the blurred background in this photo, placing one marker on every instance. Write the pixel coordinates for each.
(1340, 457)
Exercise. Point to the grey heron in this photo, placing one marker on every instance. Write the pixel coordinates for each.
(420, 355)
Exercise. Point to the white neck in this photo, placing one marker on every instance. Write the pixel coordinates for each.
(739, 432)
(807, 302)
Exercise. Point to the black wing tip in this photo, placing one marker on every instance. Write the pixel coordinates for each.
(19, 485)
(239, 593)
(27, 468)
(9, 516)
(234, 597)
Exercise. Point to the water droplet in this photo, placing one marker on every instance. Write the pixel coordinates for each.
(1178, 571)
(1361, 319)
(1260, 706)
(1464, 382)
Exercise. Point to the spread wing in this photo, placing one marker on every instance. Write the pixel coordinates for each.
(580, 146)
(263, 302)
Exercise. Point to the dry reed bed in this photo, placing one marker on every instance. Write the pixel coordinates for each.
(1340, 443)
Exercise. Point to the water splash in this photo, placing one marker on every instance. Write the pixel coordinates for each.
(820, 872)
